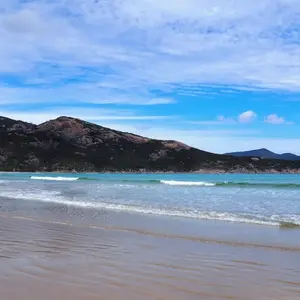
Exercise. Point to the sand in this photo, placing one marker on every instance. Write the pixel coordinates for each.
(47, 259)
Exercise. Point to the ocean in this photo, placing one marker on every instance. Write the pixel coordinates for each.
(150, 236)
(271, 200)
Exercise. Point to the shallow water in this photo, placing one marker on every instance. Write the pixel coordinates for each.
(139, 237)
(258, 199)
(46, 260)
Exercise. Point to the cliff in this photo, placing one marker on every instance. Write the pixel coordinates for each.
(69, 144)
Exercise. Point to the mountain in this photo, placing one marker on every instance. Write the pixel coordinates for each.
(265, 153)
(69, 144)
(289, 156)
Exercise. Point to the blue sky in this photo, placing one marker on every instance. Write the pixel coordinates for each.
(218, 75)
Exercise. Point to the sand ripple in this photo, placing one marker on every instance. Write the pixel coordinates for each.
(54, 260)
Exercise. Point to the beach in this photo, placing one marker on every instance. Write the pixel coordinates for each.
(56, 245)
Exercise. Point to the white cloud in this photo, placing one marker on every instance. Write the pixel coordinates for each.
(95, 115)
(153, 44)
(223, 119)
(87, 93)
(275, 119)
(139, 52)
(247, 116)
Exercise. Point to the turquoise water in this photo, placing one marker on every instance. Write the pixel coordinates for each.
(255, 199)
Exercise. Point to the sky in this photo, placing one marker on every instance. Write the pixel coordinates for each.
(218, 75)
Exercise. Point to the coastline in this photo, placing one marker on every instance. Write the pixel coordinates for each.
(146, 241)
(191, 196)
(201, 171)
(69, 145)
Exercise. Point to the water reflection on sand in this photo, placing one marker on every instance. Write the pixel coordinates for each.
(42, 259)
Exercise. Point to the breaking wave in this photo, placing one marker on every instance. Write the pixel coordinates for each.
(187, 183)
(231, 184)
(59, 178)
(175, 182)
(57, 198)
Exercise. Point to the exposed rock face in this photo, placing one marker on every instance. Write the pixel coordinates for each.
(69, 144)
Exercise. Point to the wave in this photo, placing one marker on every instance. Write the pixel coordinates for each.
(231, 184)
(187, 183)
(288, 225)
(258, 184)
(58, 198)
(217, 184)
(59, 178)
(175, 182)
(151, 181)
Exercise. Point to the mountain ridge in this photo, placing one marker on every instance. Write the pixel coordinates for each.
(70, 144)
(264, 153)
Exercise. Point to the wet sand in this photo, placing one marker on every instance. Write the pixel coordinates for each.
(54, 259)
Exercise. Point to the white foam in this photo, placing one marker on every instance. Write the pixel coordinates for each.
(187, 183)
(46, 196)
(54, 178)
(56, 197)
(11, 181)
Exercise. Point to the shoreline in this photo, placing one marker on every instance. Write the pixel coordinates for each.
(217, 234)
(118, 264)
(145, 242)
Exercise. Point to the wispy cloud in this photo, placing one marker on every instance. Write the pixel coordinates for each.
(220, 120)
(96, 115)
(276, 120)
(151, 44)
(77, 93)
(223, 119)
(245, 117)
(147, 54)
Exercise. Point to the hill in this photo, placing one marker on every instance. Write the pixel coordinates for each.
(69, 144)
(265, 153)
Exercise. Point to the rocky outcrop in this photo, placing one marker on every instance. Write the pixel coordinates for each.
(68, 144)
